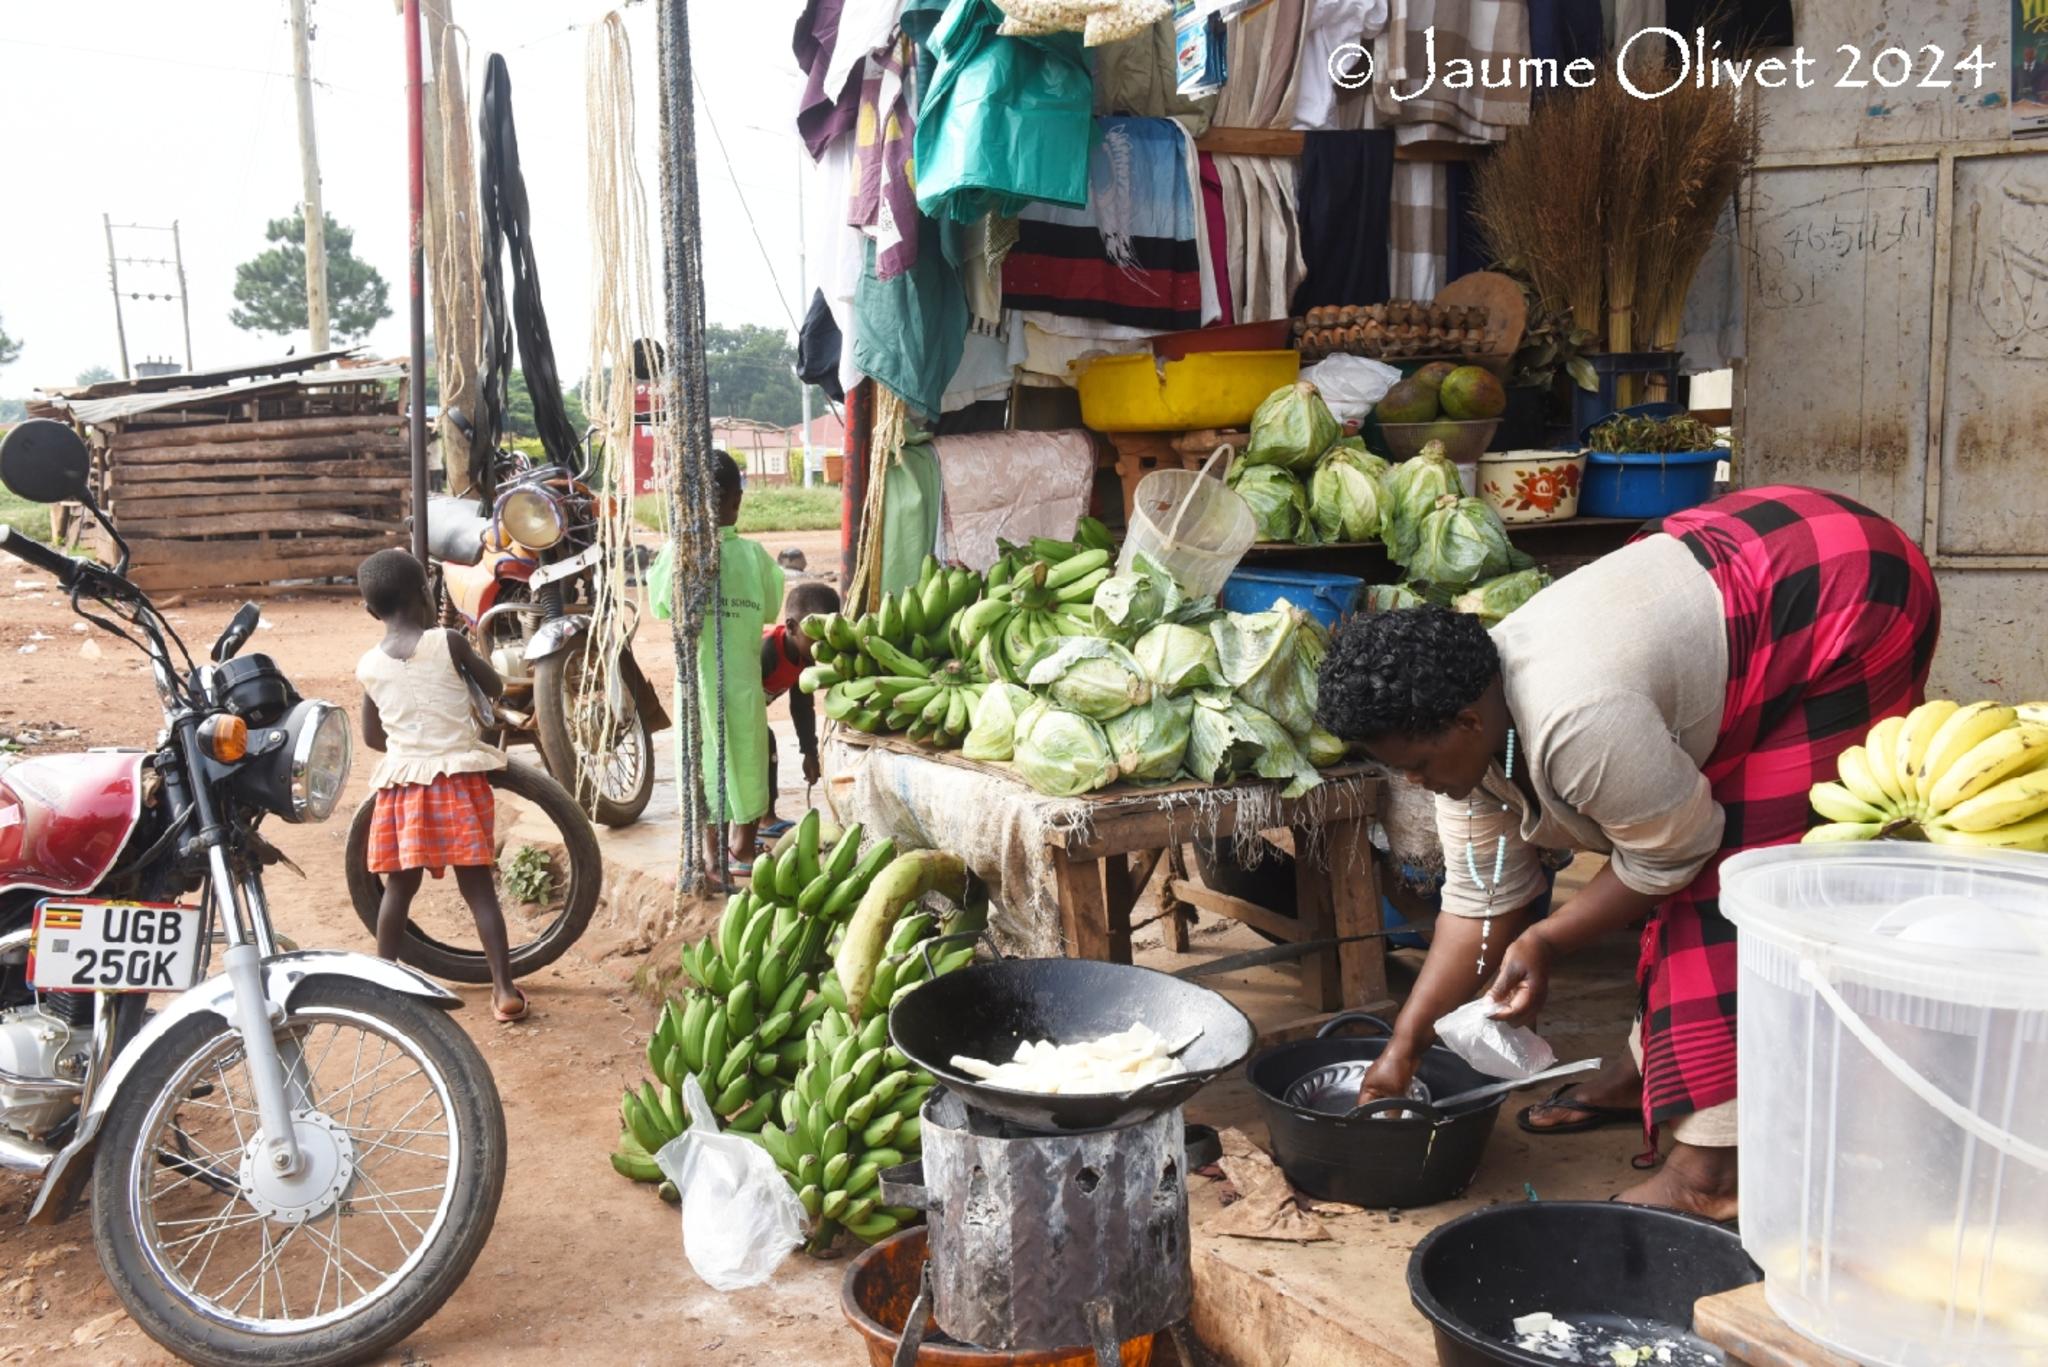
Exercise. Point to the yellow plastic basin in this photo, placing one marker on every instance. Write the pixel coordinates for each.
(1208, 389)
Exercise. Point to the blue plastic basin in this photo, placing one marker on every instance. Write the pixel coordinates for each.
(1325, 597)
(1646, 484)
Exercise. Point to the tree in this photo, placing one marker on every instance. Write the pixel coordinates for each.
(519, 408)
(10, 350)
(97, 374)
(752, 370)
(270, 288)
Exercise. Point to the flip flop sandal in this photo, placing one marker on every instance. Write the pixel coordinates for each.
(508, 1017)
(771, 829)
(1597, 1117)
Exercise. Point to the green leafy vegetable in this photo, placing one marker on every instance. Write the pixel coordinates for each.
(1149, 742)
(1097, 678)
(1413, 488)
(1221, 744)
(1177, 658)
(1062, 753)
(1497, 597)
(1345, 494)
(1292, 428)
(1462, 541)
(1278, 502)
(993, 737)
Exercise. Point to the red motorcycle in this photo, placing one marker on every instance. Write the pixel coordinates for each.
(295, 1160)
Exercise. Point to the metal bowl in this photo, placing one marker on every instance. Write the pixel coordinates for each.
(1333, 1088)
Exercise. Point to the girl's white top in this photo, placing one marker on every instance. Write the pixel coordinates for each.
(428, 725)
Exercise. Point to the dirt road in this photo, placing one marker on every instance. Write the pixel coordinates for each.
(582, 1266)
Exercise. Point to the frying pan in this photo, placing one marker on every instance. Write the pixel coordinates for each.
(986, 1010)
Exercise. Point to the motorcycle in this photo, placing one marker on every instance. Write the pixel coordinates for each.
(519, 580)
(295, 1159)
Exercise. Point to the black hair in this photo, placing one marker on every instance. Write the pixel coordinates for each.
(1405, 673)
(726, 471)
(389, 581)
(807, 596)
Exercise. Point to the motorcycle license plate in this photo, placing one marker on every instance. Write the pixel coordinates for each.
(114, 947)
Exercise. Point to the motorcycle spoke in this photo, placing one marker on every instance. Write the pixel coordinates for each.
(385, 1212)
(338, 1258)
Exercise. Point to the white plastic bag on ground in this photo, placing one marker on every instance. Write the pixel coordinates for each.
(1495, 1048)
(740, 1219)
(1351, 385)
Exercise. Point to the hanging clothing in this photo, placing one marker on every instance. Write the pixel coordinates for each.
(1493, 31)
(822, 115)
(989, 241)
(1565, 31)
(913, 327)
(1710, 335)
(817, 349)
(1263, 231)
(1327, 27)
(1346, 197)
(1205, 250)
(1128, 256)
(884, 197)
(1744, 25)
(1216, 247)
(1004, 121)
(1264, 60)
(983, 374)
(834, 249)
(1418, 231)
(749, 598)
(1139, 76)
(912, 506)
(865, 27)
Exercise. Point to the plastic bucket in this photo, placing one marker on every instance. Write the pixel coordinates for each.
(1893, 1063)
(1193, 525)
(1326, 597)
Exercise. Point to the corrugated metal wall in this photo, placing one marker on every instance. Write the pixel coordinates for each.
(1897, 315)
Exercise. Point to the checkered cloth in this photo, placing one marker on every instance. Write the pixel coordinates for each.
(450, 823)
(1494, 31)
(1832, 618)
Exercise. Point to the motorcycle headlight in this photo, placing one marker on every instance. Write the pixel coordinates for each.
(299, 768)
(531, 518)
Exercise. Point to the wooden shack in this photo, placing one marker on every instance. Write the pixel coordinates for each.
(260, 474)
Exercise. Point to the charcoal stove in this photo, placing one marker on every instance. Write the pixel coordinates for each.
(1045, 1240)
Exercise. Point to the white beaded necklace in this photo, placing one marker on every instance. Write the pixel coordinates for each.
(1500, 857)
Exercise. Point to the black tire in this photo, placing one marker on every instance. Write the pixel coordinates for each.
(464, 963)
(553, 685)
(444, 1260)
(1269, 884)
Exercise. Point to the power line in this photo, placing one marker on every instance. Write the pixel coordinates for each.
(754, 227)
(159, 59)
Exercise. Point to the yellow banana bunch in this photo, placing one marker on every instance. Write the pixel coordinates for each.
(1972, 775)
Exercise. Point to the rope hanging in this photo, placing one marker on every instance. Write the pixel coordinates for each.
(458, 309)
(622, 313)
(890, 429)
(691, 490)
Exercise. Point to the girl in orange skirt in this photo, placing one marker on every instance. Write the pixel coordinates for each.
(434, 804)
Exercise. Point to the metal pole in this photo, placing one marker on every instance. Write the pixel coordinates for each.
(184, 301)
(309, 170)
(803, 304)
(114, 279)
(416, 193)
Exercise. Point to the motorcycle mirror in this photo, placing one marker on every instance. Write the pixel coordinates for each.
(45, 461)
(240, 628)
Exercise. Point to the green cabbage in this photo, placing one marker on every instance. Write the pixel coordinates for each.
(1131, 603)
(1279, 756)
(1221, 744)
(1324, 749)
(1291, 428)
(1097, 678)
(1345, 494)
(1498, 597)
(1149, 742)
(1061, 753)
(1177, 658)
(1278, 502)
(1391, 597)
(1412, 490)
(1462, 541)
(993, 737)
(1270, 660)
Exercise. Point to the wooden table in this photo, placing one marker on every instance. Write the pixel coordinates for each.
(1742, 1324)
(1103, 865)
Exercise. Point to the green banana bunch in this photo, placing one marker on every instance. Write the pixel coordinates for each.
(905, 882)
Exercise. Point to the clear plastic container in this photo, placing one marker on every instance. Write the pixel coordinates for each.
(1893, 1063)
(1192, 523)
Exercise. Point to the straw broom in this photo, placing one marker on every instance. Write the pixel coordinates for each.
(1537, 204)
(1706, 139)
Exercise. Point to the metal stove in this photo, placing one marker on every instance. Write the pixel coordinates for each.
(1047, 1240)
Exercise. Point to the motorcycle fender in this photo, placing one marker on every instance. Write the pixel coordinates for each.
(646, 698)
(555, 636)
(283, 976)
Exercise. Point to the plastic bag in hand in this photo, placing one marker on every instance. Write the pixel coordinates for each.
(1495, 1048)
(740, 1219)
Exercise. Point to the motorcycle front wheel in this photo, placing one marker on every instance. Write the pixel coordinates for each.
(402, 1142)
(615, 782)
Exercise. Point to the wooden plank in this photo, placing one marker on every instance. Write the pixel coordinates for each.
(1084, 909)
(199, 434)
(1177, 916)
(1124, 879)
(284, 548)
(346, 445)
(1316, 910)
(134, 475)
(315, 521)
(1280, 927)
(1286, 142)
(170, 505)
(1351, 872)
(241, 569)
(1742, 1324)
(1116, 830)
(375, 487)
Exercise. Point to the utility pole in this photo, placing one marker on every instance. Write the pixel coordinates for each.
(309, 166)
(184, 302)
(803, 304)
(114, 279)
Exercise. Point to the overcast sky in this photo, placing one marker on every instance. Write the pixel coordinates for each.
(152, 112)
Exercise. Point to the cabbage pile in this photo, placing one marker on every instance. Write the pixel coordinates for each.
(1454, 549)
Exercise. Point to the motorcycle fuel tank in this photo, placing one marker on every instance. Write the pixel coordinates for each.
(64, 819)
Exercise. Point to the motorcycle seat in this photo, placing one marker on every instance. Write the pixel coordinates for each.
(455, 530)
